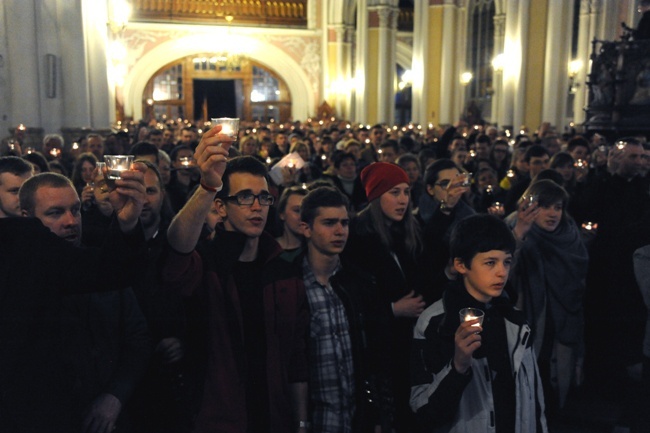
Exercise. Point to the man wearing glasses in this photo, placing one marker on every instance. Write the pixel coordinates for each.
(256, 311)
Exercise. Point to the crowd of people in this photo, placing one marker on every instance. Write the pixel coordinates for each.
(308, 276)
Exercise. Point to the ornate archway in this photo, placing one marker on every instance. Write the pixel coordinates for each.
(299, 83)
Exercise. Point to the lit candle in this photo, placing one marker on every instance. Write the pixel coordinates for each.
(226, 130)
(469, 317)
(291, 164)
(268, 160)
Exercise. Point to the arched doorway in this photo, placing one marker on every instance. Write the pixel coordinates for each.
(301, 80)
(199, 88)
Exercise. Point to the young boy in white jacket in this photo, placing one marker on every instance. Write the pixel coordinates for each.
(468, 376)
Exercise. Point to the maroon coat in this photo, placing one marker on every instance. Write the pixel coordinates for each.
(208, 275)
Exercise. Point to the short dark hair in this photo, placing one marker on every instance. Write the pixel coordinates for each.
(144, 148)
(482, 138)
(390, 143)
(38, 160)
(153, 167)
(548, 193)
(536, 151)
(240, 164)
(15, 165)
(174, 152)
(31, 185)
(324, 196)
(431, 174)
(577, 141)
(406, 158)
(480, 233)
(561, 159)
(338, 156)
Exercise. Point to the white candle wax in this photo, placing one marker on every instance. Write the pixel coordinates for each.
(226, 130)
(470, 317)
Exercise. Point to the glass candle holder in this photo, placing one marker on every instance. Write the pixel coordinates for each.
(186, 161)
(467, 314)
(229, 126)
(116, 164)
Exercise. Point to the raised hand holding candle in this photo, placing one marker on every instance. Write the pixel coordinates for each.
(467, 314)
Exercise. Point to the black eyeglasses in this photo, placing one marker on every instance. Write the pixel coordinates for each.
(443, 183)
(247, 199)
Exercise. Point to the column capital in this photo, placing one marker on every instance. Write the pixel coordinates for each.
(499, 25)
(383, 17)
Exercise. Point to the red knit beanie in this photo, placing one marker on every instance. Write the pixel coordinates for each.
(380, 177)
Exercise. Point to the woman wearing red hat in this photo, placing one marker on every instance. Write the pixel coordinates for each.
(385, 241)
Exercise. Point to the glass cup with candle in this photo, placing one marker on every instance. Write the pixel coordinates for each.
(116, 164)
(469, 313)
(466, 179)
(186, 161)
(229, 126)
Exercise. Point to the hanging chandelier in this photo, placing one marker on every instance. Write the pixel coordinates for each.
(229, 60)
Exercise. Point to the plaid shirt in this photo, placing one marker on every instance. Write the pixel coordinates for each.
(331, 385)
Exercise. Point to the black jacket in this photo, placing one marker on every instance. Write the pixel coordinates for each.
(36, 269)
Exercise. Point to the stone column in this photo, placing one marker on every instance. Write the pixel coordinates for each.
(380, 62)
(339, 71)
(497, 78)
(361, 82)
(22, 63)
(557, 57)
(101, 100)
(431, 31)
(586, 33)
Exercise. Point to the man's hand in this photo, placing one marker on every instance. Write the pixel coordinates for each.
(409, 306)
(614, 158)
(466, 341)
(126, 195)
(87, 194)
(211, 155)
(170, 350)
(102, 415)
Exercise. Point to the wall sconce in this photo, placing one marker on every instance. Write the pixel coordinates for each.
(466, 78)
(406, 80)
(499, 62)
(575, 66)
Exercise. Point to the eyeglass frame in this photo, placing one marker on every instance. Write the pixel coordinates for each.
(238, 197)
